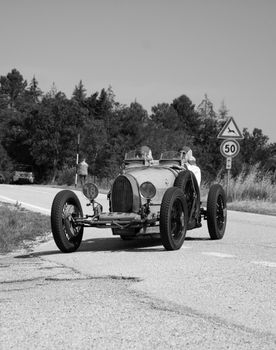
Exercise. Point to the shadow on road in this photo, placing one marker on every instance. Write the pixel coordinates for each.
(114, 244)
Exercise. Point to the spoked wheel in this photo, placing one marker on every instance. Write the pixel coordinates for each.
(173, 219)
(187, 182)
(65, 208)
(216, 211)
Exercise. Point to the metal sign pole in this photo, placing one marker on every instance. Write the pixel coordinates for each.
(229, 147)
(228, 167)
(228, 183)
(77, 160)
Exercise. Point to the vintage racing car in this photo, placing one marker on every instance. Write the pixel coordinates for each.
(148, 196)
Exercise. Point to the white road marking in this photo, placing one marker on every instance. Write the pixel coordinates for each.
(219, 255)
(30, 189)
(264, 263)
(222, 255)
(27, 205)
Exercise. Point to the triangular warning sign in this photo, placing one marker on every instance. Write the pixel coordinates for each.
(230, 130)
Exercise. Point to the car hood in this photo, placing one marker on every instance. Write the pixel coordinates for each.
(161, 177)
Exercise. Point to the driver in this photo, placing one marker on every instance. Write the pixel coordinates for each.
(189, 160)
(146, 154)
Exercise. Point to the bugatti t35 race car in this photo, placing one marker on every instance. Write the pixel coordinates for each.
(148, 196)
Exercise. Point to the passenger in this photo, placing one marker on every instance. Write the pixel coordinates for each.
(189, 160)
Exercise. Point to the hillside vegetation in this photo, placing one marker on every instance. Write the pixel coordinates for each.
(41, 129)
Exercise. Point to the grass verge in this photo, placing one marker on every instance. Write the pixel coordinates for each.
(255, 207)
(20, 228)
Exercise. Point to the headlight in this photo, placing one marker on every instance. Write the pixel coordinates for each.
(90, 191)
(147, 190)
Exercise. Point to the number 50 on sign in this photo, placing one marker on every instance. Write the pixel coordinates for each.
(229, 148)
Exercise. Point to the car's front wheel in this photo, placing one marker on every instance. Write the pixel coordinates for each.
(65, 208)
(173, 219)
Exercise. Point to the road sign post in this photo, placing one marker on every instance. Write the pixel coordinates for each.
(228, 168)
(228, 163)
(230, 130)
(77, 160)
(229, 147)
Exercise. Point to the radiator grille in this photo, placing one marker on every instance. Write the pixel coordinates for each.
(122, 195)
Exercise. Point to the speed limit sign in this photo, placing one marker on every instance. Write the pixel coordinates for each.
(229, 148)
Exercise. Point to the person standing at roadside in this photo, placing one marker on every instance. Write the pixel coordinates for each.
(83, 171)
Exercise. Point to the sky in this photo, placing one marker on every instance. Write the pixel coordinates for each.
(150, 51)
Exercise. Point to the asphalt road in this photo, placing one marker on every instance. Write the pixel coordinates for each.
(113, 294)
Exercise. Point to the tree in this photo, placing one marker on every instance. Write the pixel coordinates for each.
(79, 93)
(164, 115)
(206, 148)
(16, 138)
(52, 92)
(126, 132)
(223, 112)
(189, 120)
(205, 108)
(133, 119)
(91, 104)
(54, 129)
(33, 93)
(12, 87)
(103, 105)
(254, 147)
(5, 160)
(93, 145)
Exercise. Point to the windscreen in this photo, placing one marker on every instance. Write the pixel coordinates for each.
(170, 155)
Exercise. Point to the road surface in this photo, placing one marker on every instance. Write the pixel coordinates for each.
(113, 294)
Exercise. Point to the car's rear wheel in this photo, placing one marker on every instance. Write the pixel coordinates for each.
(216, 211)
(173, 219)
(187, 182)
(65, 208)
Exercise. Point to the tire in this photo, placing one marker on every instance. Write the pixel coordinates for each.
(187, 182)
(173, 219)
(216, 211)
(65, 207)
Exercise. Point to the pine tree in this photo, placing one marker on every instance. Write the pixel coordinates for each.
(79, 93)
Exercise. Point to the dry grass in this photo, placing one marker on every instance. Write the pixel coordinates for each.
(252, 185)
(252, 191)
(20, 227)
(256, 207)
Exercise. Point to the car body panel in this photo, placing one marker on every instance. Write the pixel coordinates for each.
(161, 177)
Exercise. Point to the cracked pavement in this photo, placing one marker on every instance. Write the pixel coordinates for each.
(46, 305)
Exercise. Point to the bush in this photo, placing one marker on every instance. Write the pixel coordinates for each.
(102, 183)
(252, 183)
(66, 176)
